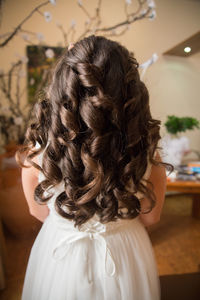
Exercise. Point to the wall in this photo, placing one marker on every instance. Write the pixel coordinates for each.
(173, 82)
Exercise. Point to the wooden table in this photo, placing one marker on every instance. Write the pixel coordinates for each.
(188, 187)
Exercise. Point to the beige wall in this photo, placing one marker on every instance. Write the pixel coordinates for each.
(173, 82)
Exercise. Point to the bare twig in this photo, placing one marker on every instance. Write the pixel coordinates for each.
(5, 91)
(28, 118)
(10, 100)
(111, 30)
(123, 31)
(84, 10)
(18, 88)
(40, 13)
(126, 22)
(2, 36)
(10, 37)
(98, 17)
(6, 88)
(72, 35)
(23, 91)
(10, 74)
(91, 26)
(140, 4)
(64, 34)
(28, 31)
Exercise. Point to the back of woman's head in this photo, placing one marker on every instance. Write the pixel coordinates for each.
(96, 131)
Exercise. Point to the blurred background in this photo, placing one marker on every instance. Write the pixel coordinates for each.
(164, 35)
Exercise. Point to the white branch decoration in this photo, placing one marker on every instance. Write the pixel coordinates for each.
(19, 27)
(20, 116)
(147, 64)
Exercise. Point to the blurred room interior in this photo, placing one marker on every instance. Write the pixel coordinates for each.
(166, 42)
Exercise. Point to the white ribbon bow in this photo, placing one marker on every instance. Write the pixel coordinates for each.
(93, 232)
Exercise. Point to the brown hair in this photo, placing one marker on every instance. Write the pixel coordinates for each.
(96, 123)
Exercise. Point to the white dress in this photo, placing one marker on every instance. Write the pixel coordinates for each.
(113, 261)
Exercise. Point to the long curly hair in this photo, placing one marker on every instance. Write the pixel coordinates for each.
(97, 134)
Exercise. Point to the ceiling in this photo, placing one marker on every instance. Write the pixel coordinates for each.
(193, 42)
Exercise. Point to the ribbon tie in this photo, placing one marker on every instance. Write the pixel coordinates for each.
(92, 232)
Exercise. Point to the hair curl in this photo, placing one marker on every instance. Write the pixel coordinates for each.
(97, 133)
